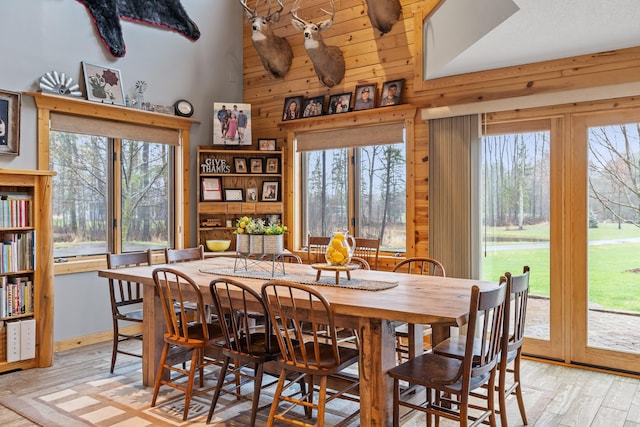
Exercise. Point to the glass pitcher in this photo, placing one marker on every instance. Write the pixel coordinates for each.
(339, 251)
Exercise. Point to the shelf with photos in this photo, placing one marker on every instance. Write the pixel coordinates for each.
(235, 183)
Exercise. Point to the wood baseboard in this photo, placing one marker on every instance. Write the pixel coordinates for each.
(92, 339)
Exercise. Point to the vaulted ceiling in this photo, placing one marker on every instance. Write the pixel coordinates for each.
(512, 32)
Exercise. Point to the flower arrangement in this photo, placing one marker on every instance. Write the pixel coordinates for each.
(275, 229)
(248, 225)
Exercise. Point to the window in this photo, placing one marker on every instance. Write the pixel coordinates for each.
(362, 189)
(109, 206)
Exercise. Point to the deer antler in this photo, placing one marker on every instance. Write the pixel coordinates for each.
(276, 13)
(250, 13)
(294, 12)
(328, 22)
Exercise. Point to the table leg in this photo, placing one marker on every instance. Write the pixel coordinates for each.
(377, 356)
(318, 275)
(440, 332)
(337, 277)
(348, 275)
(153, 330)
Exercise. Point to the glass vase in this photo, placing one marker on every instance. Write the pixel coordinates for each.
(339, 252)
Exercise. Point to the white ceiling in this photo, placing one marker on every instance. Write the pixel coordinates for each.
(542, 30)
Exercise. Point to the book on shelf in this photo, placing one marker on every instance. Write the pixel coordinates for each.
(15, 210)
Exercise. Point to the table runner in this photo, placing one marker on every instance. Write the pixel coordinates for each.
(307, 279)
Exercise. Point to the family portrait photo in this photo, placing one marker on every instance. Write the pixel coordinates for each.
(231, 123)
(9, 122)
(313, 106)
(391, 92)
(292, 108)
(365, 97)
(339, 103)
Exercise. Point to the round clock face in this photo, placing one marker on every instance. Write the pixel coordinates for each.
(184, 108)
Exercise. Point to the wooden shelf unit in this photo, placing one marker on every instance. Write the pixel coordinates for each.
(36, 186)
(220, 163)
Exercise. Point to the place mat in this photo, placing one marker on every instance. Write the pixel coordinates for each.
(306, 279)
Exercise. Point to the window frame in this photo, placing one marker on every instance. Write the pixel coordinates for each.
(112, 121)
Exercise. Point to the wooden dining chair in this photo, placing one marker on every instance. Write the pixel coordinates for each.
(422, 266)
(449, 381)
(289, 257)
(246, 347)
(317, 248)
(368, 249)
(318, 358)
(173, 256)
(361, 262)
(517, 313)
(126, 301)
(177, 292)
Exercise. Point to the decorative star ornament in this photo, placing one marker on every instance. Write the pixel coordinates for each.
(168, 14)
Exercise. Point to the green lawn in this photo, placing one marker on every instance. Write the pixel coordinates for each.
(613, 284)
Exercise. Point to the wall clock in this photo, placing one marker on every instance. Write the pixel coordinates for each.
(183, 108)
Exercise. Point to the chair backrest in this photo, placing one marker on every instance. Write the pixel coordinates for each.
(289, 306)
(487, 317)
(123, 292)
(178, 293)
(289, 257)
(316, 248)
(368, 249)
(172, 256)
(237, 306)
(364, 265)
(518, 308)
(421, 265)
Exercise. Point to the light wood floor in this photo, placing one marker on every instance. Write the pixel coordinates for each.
(555, 395)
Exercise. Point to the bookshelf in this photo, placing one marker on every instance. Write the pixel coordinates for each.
(237, 183)
(26, 269)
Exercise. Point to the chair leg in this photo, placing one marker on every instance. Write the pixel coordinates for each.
(114, 351)
(322, 399)
(163, 360)
(516, 377)
(276, 397)
(396, 402)
(491, 398)
(221, 376)
(195, 359)
(257, 385)
(502, 397)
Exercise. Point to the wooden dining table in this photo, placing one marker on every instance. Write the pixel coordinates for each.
(436, 301)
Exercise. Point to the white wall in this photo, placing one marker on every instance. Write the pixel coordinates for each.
(38, 36)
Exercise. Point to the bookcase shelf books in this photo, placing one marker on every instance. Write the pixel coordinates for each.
(26, 269)
(237, 183)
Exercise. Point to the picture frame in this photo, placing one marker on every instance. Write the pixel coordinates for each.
(270, 191)
(292, 108)
(391, 93)
(103, 84)
(233, 195)
(365, 96)
(255, 165)
(313, 106)
(273, 219)
(252, 194)
(210, 189)
(267, 144)
(339, 103)
(10, 122)
(272, 165)
(232, 124)
(240, 165)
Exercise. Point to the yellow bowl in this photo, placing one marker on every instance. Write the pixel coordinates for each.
(218, 245)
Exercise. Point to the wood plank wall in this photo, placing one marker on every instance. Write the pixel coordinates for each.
(372, 58)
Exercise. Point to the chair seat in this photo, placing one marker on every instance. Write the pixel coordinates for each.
(131, 316)
(348, 356)
(196, 337)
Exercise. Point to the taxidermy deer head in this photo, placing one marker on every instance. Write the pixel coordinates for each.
(328, 61)
(275, 52)
(383, 13)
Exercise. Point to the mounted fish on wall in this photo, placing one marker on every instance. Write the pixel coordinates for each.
(383, 14)
(274, 51)
(168, 14)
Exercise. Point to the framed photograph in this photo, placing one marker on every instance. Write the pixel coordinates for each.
(365, 96)
(103, 84)
(231, 123)
(256, 165)
(391, 92)
(252, 194)
(339, 103)
(267, 144)
(273, 219)
(292, 108)
(272, 165)
(211, 189)
(233, 195)
(240, 165)
(270, 191)
(9, 123)
(313, 106)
